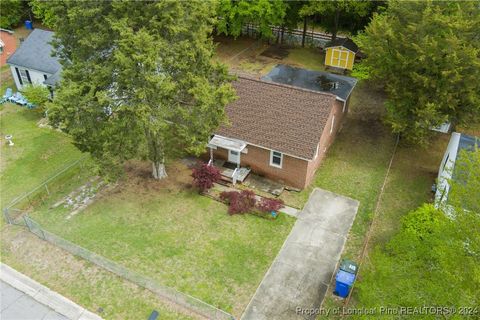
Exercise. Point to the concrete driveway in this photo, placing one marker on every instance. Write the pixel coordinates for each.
(301, 273)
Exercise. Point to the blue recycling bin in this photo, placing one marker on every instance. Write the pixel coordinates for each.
(28, 25)
(343, 283)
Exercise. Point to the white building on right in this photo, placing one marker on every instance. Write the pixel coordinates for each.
(446, 172)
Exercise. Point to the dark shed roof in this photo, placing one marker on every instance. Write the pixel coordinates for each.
(36, 53)
(341, 86)
(344, 42)
(278, 117)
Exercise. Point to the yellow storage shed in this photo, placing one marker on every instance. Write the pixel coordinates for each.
(341, 53)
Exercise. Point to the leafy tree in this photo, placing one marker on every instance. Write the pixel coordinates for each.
(36, 94)
(332, 13)
(427, 55)
(42, 10)
(138, 80)
(234, 14)
(434, 260)
(12, 13)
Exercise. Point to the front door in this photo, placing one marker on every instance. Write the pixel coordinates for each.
(234, 157)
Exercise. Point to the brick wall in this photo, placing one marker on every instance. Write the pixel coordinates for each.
(327, 139)
(295, 172)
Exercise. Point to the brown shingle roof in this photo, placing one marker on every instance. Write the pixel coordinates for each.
(278, 117)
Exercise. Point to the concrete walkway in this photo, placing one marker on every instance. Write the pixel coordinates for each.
(302, 271)
(24, 298)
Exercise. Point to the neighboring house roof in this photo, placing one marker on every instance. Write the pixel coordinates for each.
(343, 42)
(8, 44)
(36, 53)
(457, 143)
(341, 86)
(468, 143)
(278, 117)
(54, 78)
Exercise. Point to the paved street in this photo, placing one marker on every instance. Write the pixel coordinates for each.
(17, 305)
(25, 299)
(301, 273)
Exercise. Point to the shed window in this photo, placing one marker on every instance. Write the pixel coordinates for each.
(276, 159)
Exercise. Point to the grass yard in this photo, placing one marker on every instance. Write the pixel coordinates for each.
(166, 231)
(88, 285)
(37, 154)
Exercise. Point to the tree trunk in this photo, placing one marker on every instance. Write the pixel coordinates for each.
(304, 31)
(283, 32)
(335, 26)
(159, 171)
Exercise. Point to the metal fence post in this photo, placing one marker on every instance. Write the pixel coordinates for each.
(27, 222)
(7, 216)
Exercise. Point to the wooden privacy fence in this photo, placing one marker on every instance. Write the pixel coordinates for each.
(293, 36)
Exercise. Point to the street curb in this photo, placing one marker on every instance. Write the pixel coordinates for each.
(44, 295)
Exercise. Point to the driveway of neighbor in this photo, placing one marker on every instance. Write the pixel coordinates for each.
(302, 271)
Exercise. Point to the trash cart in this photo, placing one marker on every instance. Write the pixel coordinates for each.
(343, 283)
(28, 25)
(349, 266)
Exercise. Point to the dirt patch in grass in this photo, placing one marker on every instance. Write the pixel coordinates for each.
(257, 58)
(276, 52)
(88, 285)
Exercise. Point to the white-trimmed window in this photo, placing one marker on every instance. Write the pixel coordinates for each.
(333, 122)
(276, 159)
(25, 76)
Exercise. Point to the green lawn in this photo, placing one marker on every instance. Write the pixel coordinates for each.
(37, 154)
(92, 287)
(168, 232)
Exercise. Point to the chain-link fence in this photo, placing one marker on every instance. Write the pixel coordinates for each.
(59, 185)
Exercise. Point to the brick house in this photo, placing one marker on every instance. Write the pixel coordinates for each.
(279, 131)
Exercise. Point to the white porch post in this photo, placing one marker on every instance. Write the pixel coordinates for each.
(211, 157)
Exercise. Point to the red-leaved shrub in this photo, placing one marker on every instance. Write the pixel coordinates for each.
(239, 202)
(204, 176)
(269, 205)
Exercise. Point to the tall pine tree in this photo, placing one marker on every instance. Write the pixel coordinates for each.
(427, 54)
(139, 80)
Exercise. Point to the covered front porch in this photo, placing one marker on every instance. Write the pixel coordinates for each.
(230, 168)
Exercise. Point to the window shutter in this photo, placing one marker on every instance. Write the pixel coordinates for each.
(28, 76)
(18, 76)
